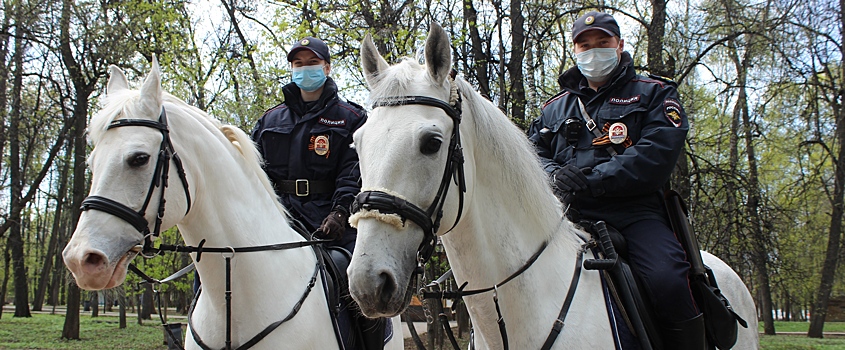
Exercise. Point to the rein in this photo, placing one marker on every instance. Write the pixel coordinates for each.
(390, 204)
(433, 291)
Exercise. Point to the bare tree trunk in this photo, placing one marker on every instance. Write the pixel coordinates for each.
(121, 301)
(7, 262)
(515, 65)
(16, 245)
(95, 303)
(52, 247)
(818, 312)
(481, 61)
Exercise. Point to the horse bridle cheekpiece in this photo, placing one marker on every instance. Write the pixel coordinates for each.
(160, 176)
(390, 204)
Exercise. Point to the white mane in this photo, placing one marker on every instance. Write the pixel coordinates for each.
(124, 103)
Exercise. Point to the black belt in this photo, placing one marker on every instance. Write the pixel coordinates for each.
(304, 187)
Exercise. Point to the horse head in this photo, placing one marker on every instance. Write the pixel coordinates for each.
(124, 164)
(403, 148)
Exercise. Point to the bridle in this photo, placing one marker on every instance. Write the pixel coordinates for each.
(138, 218)
(390, 204)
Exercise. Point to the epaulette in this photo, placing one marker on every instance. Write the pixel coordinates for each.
(272, 108)
(555, 98)
(663, 79)
(354, 104)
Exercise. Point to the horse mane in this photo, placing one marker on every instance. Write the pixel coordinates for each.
(124, 102)
(512, 153)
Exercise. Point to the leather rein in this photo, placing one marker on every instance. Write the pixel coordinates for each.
(138, 220)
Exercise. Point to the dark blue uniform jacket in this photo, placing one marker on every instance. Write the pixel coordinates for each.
(285, 136)
(627, 187)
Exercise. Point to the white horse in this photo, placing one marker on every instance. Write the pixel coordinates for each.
(509, 211)
(232, 205)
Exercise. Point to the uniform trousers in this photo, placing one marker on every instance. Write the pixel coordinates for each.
(659, 261)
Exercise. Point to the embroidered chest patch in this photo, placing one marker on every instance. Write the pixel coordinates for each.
(672, 110)
(624, 100)
(320, 145)
(332, 122)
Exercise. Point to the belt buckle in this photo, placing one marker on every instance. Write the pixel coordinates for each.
(302, 188)
(591, 125)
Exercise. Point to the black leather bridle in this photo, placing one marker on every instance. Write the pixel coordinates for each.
(138, 218)
(390, 204)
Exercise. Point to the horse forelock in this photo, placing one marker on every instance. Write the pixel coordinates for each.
(123, 103)
(402, 79)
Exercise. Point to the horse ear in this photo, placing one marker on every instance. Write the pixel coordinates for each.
(117, 80)
(151, 90)
(371, 61)
(438, 53)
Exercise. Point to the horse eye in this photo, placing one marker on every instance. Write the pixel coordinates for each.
(431, 146)
(138, 160)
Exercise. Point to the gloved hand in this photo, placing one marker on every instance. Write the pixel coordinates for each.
(570, 179)
(334, 225)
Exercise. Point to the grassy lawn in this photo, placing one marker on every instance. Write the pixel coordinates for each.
(44, 332)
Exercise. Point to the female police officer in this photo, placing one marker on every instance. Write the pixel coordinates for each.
(609, 142)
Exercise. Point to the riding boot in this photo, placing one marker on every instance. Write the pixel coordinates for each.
(371, 332)
(685, 335)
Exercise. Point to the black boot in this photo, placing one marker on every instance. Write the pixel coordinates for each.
(371, 332)
(685, 335)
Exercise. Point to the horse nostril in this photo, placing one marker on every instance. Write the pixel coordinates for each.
(388, 286)
(94, 261)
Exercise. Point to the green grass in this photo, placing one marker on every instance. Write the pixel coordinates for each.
(44, 332)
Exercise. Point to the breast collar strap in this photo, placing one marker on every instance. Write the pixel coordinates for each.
(387, 203)
(161, 172)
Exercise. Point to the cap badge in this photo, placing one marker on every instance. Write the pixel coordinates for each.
(589, 20)
(320, 145)
(617, 133)
(304, 42)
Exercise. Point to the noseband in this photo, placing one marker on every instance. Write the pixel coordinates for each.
(160, 175)
(389, 204)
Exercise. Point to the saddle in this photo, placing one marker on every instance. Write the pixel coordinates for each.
(720, 319)
(367, 334)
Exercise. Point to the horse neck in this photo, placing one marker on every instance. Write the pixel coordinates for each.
(231, 208)
(504, 224)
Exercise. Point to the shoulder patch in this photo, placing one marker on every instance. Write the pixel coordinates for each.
(672, 110)
(555, 98)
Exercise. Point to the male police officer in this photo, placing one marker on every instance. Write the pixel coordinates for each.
(609, 142)
(305, 142)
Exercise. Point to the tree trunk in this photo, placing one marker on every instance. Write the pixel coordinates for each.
(516, 62)
(121, 301)
(16, 244)
(481, 62)
(818, 312)
(95, 303)
(7, 261)
(147, 302)
(52, 247)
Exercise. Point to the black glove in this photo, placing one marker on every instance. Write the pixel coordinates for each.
(570, 179)
(334, 225)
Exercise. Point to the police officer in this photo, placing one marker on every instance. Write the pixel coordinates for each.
(305, 142)
(609, 142)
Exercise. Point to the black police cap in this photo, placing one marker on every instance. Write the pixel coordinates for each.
(595, 20)
(317, 46)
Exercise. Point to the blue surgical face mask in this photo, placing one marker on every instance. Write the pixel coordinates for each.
(309, 78)
(597, 64)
